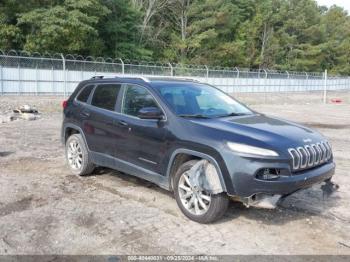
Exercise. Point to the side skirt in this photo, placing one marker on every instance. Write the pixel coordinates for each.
(129, 168)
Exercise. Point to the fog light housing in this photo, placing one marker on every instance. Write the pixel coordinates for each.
(269, 174)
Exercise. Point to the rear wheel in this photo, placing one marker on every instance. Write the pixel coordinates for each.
(194, 202)
(77, 156)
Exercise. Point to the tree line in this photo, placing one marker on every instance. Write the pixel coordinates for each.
(294, 35)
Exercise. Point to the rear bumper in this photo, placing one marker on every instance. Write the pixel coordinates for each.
(247, 185)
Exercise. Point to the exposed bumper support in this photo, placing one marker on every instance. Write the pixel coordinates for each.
(261, 201)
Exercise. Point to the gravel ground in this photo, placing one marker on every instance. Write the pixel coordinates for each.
(46, 210)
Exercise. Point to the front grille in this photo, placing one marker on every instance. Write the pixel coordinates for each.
(309, 156)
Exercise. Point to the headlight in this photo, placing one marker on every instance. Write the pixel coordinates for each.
(241, 148)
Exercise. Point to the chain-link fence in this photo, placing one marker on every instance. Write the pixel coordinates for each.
(24, 73)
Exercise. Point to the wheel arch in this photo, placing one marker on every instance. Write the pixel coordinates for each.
(182, 155)
(70, 129)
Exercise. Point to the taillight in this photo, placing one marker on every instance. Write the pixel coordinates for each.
(64, 104)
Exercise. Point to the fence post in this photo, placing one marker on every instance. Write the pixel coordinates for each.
(64, 76)
(325, 87)
(19, 79)
(123, 66)
(36, 80)
(52, 80)
(1, 81)
(207, 75)
(236, 81)
(265, 87)
(307, 84)
(171, 69)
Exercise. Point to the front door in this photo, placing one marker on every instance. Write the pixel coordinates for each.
(141, 142)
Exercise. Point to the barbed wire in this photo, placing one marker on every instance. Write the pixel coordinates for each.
(76, 60)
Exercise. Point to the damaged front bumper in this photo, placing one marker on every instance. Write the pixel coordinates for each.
(246, 183)
(267, 201)
(254, 189)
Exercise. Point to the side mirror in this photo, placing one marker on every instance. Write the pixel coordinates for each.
(150, 113)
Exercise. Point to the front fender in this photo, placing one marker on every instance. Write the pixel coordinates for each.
(221, 169)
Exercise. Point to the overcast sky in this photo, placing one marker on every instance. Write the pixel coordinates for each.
(342, 3)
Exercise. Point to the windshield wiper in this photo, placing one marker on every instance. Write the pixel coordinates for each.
(233, 114)
(194, 116)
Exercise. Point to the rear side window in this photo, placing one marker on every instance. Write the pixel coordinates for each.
(105, 96)
(84, 95)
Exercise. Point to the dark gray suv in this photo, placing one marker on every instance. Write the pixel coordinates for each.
(193, 139)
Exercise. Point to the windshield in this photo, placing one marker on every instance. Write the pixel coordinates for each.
(199, 100)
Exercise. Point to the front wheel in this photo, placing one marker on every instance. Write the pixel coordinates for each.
(197, 204)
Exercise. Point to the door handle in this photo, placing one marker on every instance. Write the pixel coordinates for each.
(85, 113)
(122, 123)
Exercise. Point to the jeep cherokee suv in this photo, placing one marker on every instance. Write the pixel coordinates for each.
(193, 139)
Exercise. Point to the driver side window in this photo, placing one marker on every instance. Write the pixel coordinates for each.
(135, 98)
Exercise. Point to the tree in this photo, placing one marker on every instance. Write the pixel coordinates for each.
(67, 28)
(200, 26)
(277, 34)
(120, 31)
(149, 9)
(10, 35)
(336, 45)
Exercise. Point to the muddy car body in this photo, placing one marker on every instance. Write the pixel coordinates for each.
(193, 139)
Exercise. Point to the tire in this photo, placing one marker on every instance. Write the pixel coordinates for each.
(216, 207)
(77, 156)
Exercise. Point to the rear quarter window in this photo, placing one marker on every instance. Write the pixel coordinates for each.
(85, 93)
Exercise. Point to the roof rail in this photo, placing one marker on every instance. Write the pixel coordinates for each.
(187, 79)
(175, 78)
(97, 77)
(146, 79)
(143, 78)
(140, 77)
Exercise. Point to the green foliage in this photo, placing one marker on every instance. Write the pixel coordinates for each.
(63, 28)
(9, 36)
(119, 32)
(279, 34)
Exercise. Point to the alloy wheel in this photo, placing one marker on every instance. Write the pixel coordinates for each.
(193, 198)
(74, 155)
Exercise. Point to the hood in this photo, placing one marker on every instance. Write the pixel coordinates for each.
(262, 129)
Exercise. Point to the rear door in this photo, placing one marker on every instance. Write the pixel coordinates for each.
(99, 118)
(80, 103)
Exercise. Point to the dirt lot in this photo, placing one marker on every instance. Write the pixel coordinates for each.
(46, 210)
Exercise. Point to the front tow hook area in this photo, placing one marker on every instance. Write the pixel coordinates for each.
(265, 201)
(328, 188)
